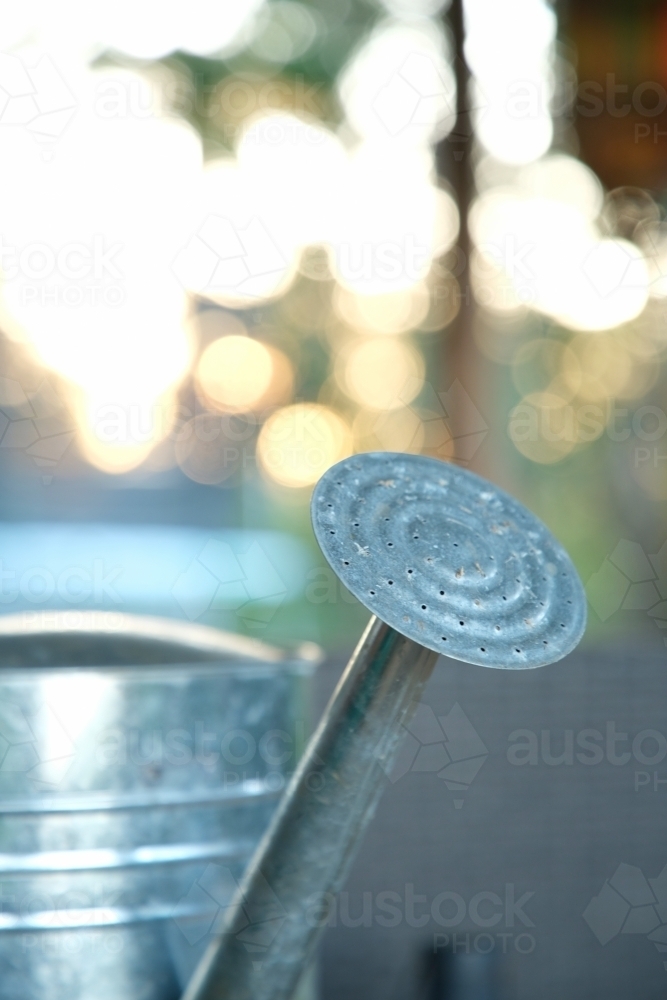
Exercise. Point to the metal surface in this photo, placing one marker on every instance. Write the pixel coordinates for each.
(107, 635)
(305, 856)
(432, 550)
(140, 762)
(450, 560)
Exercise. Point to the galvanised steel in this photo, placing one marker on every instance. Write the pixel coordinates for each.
(140, 762)
(447, 563)
(449, 560)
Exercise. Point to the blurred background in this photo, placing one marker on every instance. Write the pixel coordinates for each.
(240, 242)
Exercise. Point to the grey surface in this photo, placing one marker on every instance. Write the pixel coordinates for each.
(449, 560)
(558, 830)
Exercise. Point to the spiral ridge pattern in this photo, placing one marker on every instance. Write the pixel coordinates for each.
(449, 560)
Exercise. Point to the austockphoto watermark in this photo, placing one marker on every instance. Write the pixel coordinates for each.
(42, 97)
(594, 98)
(80, 940)
(481, 923)
(487, 920)
(533, 97)
(71, 274)
(324, 587)
(77, 915)
(641, 752)
(383, 261)
(224, 256)
(139, 423)
(586, 422)
(66, 621)
(36, 422)
(239, 755)
(39, 745)
(232, 103)
(36, 96)
(136, 423)
(240, 98)
(222, 579)
(630, 903)
(73, 907)
(630, 579)
(414, 259)
(366, 261)
(93, 584)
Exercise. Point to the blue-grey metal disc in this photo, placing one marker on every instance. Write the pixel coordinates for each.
(449, 560)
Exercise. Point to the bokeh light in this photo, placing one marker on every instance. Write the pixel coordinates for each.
(560, 177)
(492, 286)
(211, 449)
(556, 260)
(89, 234)
(546, 364)
(237, 374)
(394, 312)
(390, 430)
(597, 368)
(399, 85)
(116, 436)
(394, 220)
(294, 166)
(234, 256)
(202, 27)
(381, 373)
(298, 443)
(284, 30)
(509, 48)
(543, 427)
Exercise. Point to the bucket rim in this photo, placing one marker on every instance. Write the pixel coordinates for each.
(155, 631)
(248, 792)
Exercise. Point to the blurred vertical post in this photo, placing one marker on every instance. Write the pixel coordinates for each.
(458, 357)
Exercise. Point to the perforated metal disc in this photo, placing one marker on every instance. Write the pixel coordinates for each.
(449, 560)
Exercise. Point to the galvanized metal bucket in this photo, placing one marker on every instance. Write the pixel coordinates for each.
(140, 762)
